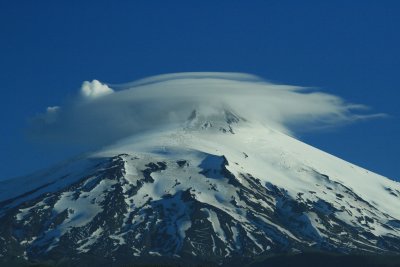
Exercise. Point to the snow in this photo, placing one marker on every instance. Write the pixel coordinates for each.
(269, 155)
(315, 222)
(326, 183)
(213, 218)
(85, 247)
(83, 209)
(50, 180)
(235, 233)
(183, 226)
(24, 213)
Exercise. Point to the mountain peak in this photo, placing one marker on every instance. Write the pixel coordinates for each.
(222, 120)
(219, 189)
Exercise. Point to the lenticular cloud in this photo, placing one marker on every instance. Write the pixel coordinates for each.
(118, 111)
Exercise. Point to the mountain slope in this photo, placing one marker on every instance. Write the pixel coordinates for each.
(213, 190)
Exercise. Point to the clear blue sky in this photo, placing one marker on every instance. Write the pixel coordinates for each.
(347, 48)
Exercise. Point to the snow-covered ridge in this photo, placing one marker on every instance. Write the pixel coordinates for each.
(269, 155)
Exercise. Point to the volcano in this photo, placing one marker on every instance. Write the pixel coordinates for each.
(218, 189)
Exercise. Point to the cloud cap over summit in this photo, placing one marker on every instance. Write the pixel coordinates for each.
(104, 113)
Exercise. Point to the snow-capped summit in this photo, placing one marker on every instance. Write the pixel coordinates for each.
(215, 120)
(214, 189)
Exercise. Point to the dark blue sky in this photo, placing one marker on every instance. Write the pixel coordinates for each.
(347, 48)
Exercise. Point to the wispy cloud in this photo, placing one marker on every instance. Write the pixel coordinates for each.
(163, 100)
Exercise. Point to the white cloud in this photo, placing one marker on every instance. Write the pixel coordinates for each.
(52, 109)
(94, 89)
(50, 116)
(163, 100)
